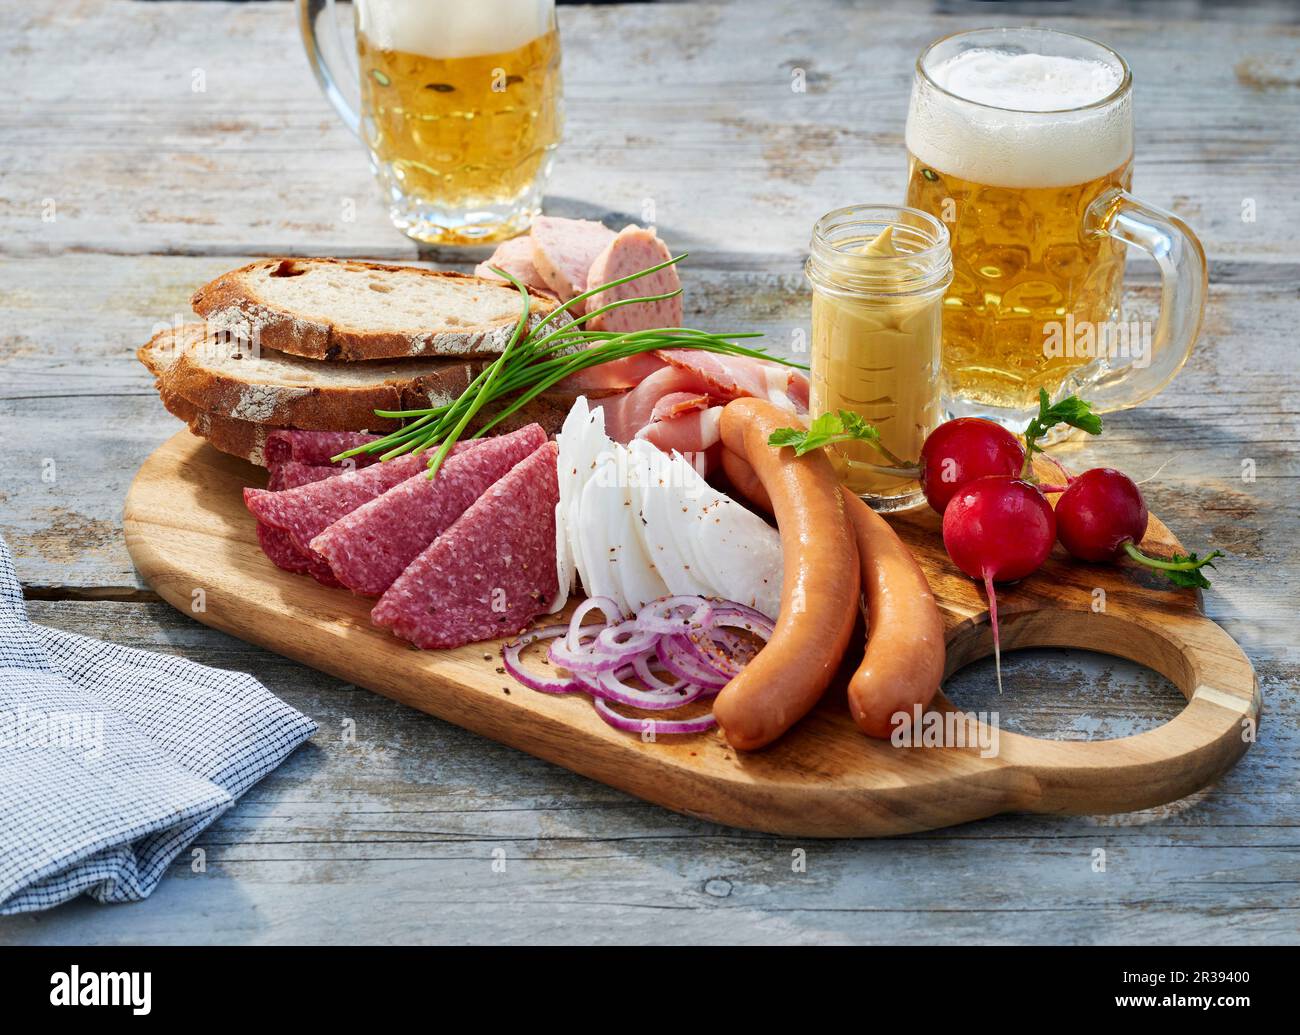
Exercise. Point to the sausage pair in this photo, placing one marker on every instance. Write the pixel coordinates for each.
(834, 545)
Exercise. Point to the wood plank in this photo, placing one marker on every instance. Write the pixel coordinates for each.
(151, 167)
(733, 160)
(413, 810)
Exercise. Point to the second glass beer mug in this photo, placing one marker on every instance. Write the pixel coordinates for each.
(1021, 141)
(459, 105)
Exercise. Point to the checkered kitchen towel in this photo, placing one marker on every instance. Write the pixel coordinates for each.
(112, 759)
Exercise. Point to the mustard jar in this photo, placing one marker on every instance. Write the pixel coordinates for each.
(878, 275)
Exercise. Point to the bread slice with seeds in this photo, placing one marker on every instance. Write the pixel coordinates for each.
(340, 309)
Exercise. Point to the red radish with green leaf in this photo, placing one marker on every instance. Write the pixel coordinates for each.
(1102, 515)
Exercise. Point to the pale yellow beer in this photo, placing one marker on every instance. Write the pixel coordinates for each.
(461, 131)
(1022, 270)
(1021, 141)
(458, 102)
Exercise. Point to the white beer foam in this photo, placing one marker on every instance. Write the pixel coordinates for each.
(1027, 138)
(453, 28)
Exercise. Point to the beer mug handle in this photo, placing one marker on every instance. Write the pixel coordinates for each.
(1183, 284)
(324, 58)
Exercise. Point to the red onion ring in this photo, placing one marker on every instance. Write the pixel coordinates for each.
(687, 638)
(612, 688)
(609, 608)
(680, 659)
(637, 639)
(514, 665)
(655, 727)
(661, 615)
(641, 666)
(584, 660)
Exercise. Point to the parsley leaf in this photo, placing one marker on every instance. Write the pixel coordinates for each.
(825, 430)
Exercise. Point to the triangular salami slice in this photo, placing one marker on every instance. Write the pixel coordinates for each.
(370, 547)
(283, 554)
(308, 510)
(488, 575)
(289, 474)
(316, 447)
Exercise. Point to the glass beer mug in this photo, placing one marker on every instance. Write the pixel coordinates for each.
(458, 104)
(1021, 140)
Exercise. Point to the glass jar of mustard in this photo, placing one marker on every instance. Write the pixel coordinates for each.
(878, 274)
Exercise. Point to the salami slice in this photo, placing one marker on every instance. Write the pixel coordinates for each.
(283, 554)
(276, 544)
(368, 548)
(316, 447)
(488, 575)
(308, 510)
(291, 473)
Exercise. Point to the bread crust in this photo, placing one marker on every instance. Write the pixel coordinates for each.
(231, 303)
(312, 408)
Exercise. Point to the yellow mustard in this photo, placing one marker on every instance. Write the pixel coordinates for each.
(879, 274)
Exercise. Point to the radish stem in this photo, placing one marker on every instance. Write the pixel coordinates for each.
(1183, 569)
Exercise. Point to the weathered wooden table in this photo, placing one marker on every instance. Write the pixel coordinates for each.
(147, 147)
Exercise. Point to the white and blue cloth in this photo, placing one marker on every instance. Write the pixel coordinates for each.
(113, 760)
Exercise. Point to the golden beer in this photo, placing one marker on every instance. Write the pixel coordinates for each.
(462, 132)
(1023, 270)
(1021, 141)
(459, 103)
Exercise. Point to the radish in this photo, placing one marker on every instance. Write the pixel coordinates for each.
(1102, 515)
(998, 529)
(961, 450)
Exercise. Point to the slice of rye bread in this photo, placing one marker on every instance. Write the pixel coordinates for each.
(247, 440)
(336, 309)
(226, 376)
(241, 438)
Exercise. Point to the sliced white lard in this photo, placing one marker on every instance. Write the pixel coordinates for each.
(662, 518)
(636, 524)
(602, 527)
(736, 552)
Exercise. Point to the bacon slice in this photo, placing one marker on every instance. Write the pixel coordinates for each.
(616, 375)
(738, 377)
(674, 404)
(627, 414)
(693, 432)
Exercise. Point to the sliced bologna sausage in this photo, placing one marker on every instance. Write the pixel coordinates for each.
(368, 548)
(563, 251)
(488, 575)
(515, 256)
(633, 250)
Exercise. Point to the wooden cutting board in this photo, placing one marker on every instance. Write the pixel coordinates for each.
(190, 536)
